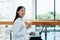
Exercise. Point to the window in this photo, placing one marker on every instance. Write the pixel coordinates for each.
(45, 9)
(57, 9)
(6, 10)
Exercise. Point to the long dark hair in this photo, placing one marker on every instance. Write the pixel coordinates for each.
(17, 15)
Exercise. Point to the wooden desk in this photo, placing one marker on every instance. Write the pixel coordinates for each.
(35, 22)
(46, 22)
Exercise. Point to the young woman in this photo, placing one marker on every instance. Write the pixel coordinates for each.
(19, 29)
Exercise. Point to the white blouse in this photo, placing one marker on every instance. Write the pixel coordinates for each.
(19, 30)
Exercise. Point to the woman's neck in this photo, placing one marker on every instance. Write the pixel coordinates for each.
(21, 17)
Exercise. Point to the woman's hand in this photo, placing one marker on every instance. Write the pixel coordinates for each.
(32, 33)
(28, 25)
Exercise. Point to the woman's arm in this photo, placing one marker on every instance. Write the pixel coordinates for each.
(28, 26)
(18, 28)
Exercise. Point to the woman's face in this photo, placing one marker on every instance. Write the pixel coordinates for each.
(21, 12)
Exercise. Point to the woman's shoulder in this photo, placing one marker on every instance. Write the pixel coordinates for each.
(18, 20)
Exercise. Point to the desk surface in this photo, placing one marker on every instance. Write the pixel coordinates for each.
(34, 22)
